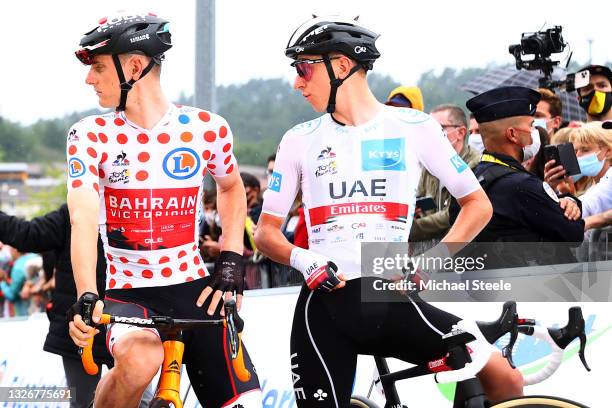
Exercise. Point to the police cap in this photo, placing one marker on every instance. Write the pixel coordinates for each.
(504, 102)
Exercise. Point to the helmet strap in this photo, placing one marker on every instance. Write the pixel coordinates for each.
(335, 82)
(126, 86)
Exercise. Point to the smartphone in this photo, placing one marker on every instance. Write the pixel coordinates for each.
(564, 155)
(425, 203)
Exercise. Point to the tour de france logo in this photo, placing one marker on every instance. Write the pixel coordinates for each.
(181, 163)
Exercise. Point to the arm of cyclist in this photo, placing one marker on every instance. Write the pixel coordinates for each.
(84, 207)
(271, 241)
(228, 274)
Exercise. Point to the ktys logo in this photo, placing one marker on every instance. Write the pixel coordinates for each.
(76, 168)
(383, 154)
(181, 163)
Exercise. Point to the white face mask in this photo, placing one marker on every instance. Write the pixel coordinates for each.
(541, 122)
(475, 141)
(532, 149)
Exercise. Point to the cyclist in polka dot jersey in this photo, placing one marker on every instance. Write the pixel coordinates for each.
(136, 175)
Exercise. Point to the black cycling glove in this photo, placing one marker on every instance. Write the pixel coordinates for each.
(228, 275)
(84, 307)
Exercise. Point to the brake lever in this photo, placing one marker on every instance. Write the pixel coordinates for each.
(507, 350)
(230, 314)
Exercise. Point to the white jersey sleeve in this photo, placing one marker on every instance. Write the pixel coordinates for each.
(440, 159)
(284, 183)
(598, 198)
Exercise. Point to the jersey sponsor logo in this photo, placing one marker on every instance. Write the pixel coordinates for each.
(329, 168)
(72, 136)
(122, 176)
(335, 228)
(383, 154)
(390, 211)
(315, 230)
(358, 225)
(359, 49)
(181, 163)
(121, 160)
(376, 189)
(458, 163)
(150, 219)
(76, 168)
(360, 236)
(276, 179)
(326, 153)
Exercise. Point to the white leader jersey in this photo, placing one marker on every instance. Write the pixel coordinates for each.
(359, 182)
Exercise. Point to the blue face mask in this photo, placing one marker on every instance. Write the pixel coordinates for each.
(590, 165)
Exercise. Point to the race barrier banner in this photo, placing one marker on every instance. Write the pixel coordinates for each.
(268, 315)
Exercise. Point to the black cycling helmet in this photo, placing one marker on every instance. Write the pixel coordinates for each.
(328, 34)
(133, 33)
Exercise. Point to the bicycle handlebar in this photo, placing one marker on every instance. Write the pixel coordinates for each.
(232, 322)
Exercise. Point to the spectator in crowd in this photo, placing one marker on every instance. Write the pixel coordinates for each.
(524, 208)
(593, 146)
(536, 163)
(435, 224)
(596, 97)
(12, 283)
(253, 195)
(549, 111)
(406, 97)
(474, 139)
(51, 232)
(252, 189)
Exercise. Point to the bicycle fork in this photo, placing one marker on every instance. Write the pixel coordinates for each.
(170, 377)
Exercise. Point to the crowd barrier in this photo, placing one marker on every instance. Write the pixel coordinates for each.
(268, 315)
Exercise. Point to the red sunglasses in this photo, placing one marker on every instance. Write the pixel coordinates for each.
(85, 56)
(304, 67)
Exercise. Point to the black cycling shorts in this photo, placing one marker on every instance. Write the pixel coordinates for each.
(331, 329)
(206, 349)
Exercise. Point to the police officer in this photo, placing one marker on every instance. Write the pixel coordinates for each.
(525, 209)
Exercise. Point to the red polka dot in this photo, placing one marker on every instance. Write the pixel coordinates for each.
(229, 169)
(143, 261)
(142, 138)
(227, 147)
(77, 183)
(126, 286)
(142, 175)
(119, 122)
(201, 272)
(210, 136)
(93, 170)
(92, 136)
(213, 173)
(102, 174)
(148, 274)
(112, 283)
(113, 270)
(92, 152)
(196, 260)
(72, 150)
(182, 254)
(123, 259)
(103, 138)
(186, 137)
(211, 166)
(163, 138)
(222, 131)
(164, 259)
(100, 121)
(104, 157)
(128, 273)
(204, 172)
(96, 187)
(189, 279)
(227, 160)
(166, 272)
(213, 156)
(183, 267)
(204, 116)
(121, 138)
(206, 154)
(109, 257)
(194, 248)
(143, 157)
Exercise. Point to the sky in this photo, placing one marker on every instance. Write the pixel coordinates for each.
(40, 77)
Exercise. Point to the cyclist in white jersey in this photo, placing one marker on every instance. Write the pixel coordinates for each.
(358, 168)
(136, 174)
